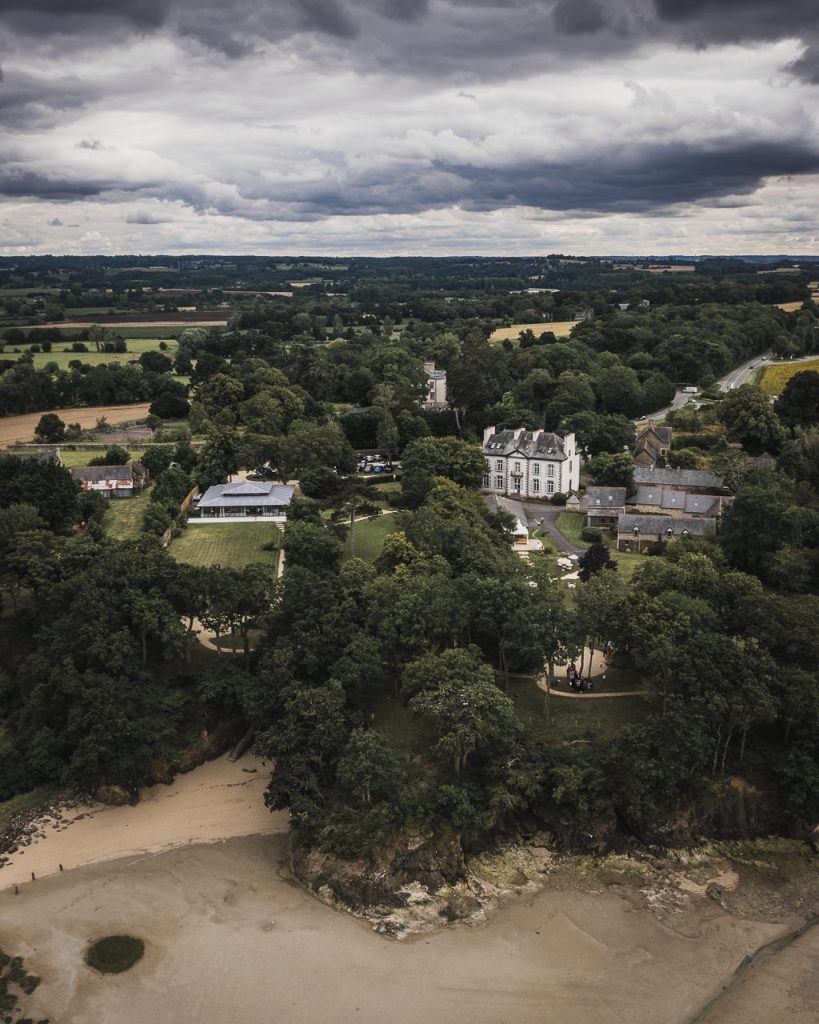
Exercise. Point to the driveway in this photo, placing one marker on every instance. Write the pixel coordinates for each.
(543, 517)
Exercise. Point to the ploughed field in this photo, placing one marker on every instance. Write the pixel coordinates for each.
(560, 329)
(20, 429)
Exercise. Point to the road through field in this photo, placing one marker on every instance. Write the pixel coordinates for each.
(20, 429)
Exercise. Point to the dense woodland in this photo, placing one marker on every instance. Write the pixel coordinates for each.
(385, 691)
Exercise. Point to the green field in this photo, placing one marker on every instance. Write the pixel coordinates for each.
(368, 538)
(62, 355)
(123, 517)
(571, 524)
(232, 545)
(72, 459)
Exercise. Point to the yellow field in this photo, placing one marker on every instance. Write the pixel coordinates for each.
(560, 328)
(775, 377)
(790, 307)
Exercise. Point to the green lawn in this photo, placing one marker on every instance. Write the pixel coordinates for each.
(571, 720)
(123, 517)
(368, 538)
(570, 525)
(72, 459)
(232, 545)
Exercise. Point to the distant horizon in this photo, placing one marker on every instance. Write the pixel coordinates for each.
(324, 254)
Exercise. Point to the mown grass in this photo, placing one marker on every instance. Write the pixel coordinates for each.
(123, 516)
(367, 540)
(774, 378)
(231, 545)
(571, 525)
(73, 459)
(567, 720)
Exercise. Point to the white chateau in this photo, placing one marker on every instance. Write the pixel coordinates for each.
(530, 463)
(436, 387)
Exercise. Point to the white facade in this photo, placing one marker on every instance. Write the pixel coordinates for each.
(436, 387)
(530, 464)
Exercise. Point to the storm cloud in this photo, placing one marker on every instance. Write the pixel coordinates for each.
(195, 115)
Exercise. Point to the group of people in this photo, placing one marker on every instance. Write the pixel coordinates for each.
(577, 682)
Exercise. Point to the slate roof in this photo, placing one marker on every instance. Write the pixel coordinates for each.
(92, 473)
(544, 446)
(663, 434)
(684, 501)
(682, 478)
(660, 524)
(605, 497)
(244, 493)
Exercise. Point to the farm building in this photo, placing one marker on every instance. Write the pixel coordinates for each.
(603, 505)
(109, 481)
(682, 479)
(635, 533)
(669, 500)
(653, 444)
(242, 501)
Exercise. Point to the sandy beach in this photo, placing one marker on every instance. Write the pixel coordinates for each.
(216, 801)
(199, 871)
(230, 938)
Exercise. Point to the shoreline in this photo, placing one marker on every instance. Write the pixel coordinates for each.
(603, 944)
(218, 800)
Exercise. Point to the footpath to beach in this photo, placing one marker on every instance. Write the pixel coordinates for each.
(219, 800)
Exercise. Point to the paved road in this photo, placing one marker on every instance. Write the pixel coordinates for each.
(531, 516)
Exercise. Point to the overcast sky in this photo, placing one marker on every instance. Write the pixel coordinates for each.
(409, 126)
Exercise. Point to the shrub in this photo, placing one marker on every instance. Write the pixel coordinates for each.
(591, 534)
(114, 954)
(559, 498)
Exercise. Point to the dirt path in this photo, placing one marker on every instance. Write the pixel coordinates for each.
(20, 429)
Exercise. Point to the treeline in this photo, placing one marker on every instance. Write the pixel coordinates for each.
(26, 389)
(380, 690)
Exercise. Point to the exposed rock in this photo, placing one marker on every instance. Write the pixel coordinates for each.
(116, 796)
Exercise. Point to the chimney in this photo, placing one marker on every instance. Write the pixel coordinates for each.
(536, 434)
(487, 433)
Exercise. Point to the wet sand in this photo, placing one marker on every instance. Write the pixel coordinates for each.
(216, 801)
(230, 938)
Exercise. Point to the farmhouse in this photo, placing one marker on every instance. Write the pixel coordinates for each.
(109, 481)
(603, 505)
(436, 387)
(532, 464)
(681, 479)
(636, 532)
(653, 444)
(242, 501)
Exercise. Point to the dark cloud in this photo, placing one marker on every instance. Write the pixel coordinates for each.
(484, 38)
(28, 102)
(55, 222)
(806, 67)
(89, 144)
(578, 16)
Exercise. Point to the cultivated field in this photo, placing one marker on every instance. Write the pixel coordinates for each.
(20, 429)
(790, 307)
(560, 328)
(774, 378)
(231, 545)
